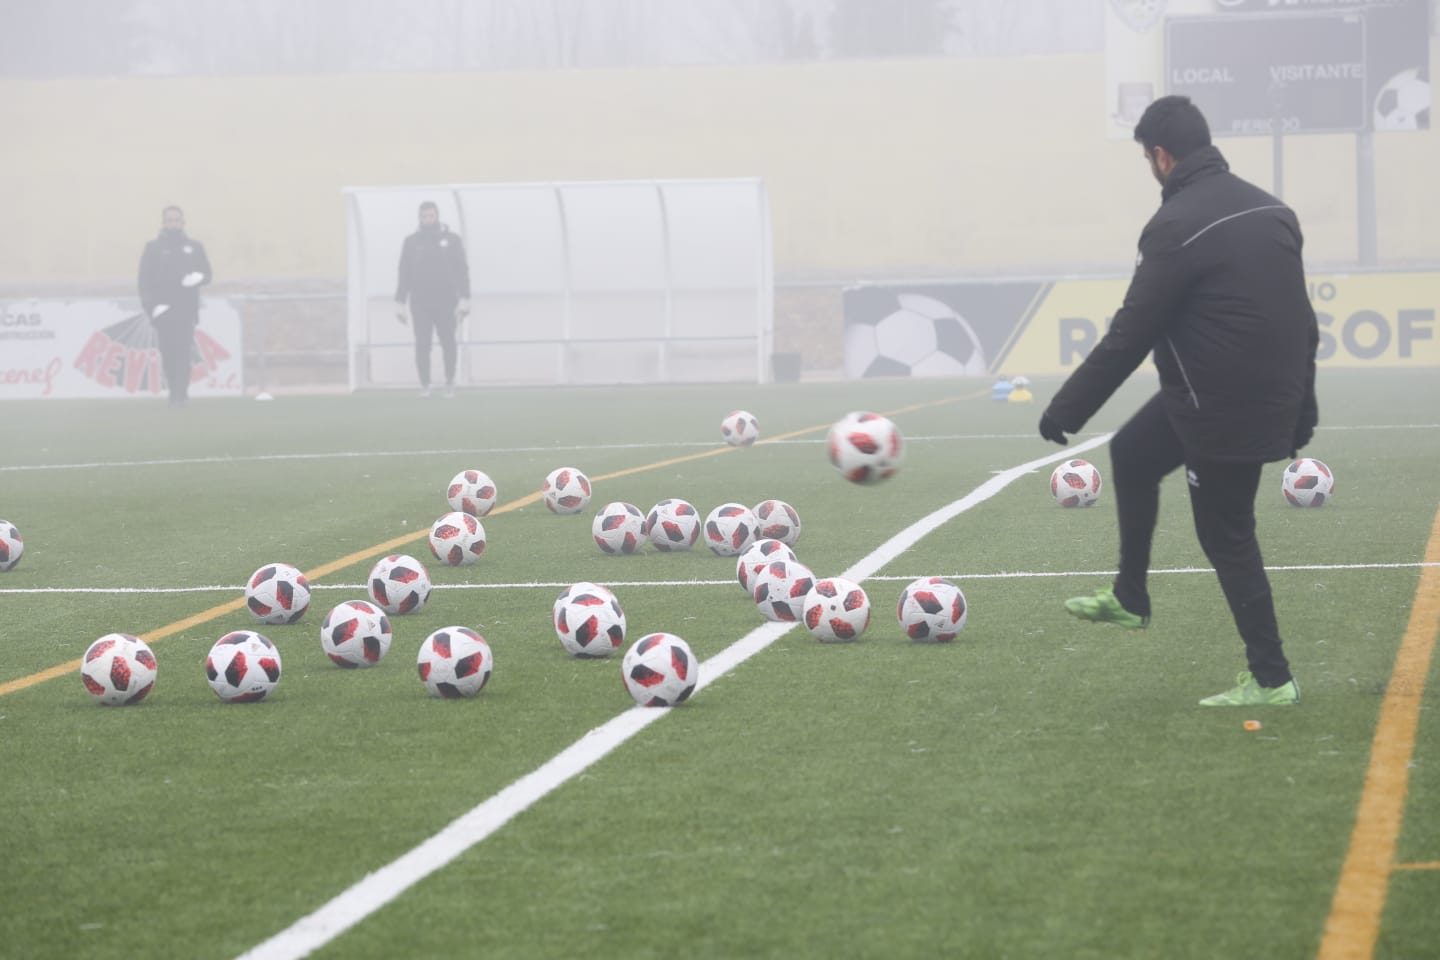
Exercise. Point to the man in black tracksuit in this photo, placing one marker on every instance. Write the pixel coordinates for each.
(1219, 296)
(435, 280)
(173, 268)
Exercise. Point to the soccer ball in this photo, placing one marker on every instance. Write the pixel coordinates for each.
(457, 539)
(1075, 483)
(757, 555)
(399, 584)
(454, 662)
(730, 529)
(355, 633)
(1307, 483)
(740, 428)
(619, 527)
(920, 337)
(243, 667)
(277, 593)
(12, 545)
(836, 610)
(118, 670)
(1403, 103)
(566, 490)
(659, 670)
(779, 589)
(589, 621)
(866, 447)
(472, 492)
(932, 609)
(673, 525)
(777, 520)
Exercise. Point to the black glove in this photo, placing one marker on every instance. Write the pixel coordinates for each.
(1051, 430)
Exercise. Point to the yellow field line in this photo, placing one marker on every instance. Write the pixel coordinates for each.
(359, 556)
(1355, 912)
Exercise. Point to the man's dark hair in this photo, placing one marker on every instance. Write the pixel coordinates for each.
(172, 207)
(429, 205)
(1173, 123)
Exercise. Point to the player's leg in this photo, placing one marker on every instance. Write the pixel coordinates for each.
(424, 320)
(445, 330)
(1222, 498)
(174, 340)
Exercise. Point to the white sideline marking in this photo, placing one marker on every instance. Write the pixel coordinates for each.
(311, 932)
(562, 584)
(372, 454)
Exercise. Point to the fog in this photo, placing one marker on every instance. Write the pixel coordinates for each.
(902, 145)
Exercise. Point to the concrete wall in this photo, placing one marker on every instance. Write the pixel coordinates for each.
(953, 167)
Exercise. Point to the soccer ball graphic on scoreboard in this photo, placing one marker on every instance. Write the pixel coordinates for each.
(277, 593)
(922, 337)
(118, 670)
(1307, 483)
(1075, 483)
(1403, 103)
(660, 670)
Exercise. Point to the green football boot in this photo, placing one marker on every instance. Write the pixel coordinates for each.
(1248, 693)
(1104, 608)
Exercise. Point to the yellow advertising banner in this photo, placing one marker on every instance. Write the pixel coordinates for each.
(1366, 320)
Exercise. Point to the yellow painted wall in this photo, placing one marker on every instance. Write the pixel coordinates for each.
(875, 169)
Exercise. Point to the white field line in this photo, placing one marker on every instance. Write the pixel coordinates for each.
(471, 451)
(562, 584)
(376, 889)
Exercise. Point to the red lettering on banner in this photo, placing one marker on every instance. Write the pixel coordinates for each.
(105, 375)
(12, 376)
(90, 353)
(135, 363)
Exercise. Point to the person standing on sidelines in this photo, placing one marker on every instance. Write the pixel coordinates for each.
(435, 283)
(1219, 296)
(173, 268)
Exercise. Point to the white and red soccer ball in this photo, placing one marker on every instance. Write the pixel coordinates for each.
(1307, 483)
(454, 662)
(457, 539)
(243, 667)
(779, 589)
(566, 490)
(673, 525)
(777, 520)
(730, 529)
(1075, 483)
(660, 670)
(118, 670)
(740, 428)
(399, 584)
(356, 633)
(589, 621)
(932, 610)
(472, 492)
(12, 545)
(277, 593)
(757, 555)
(866, 447)
(836, 610)
(619, 528)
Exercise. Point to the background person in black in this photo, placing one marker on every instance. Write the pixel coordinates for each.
(173, 268)
(1219, 295)
(435, 280)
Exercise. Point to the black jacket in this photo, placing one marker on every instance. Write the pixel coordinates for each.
(433, 269)
(1219, 295)
(165, 262)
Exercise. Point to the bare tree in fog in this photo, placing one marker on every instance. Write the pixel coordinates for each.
(863, 28)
